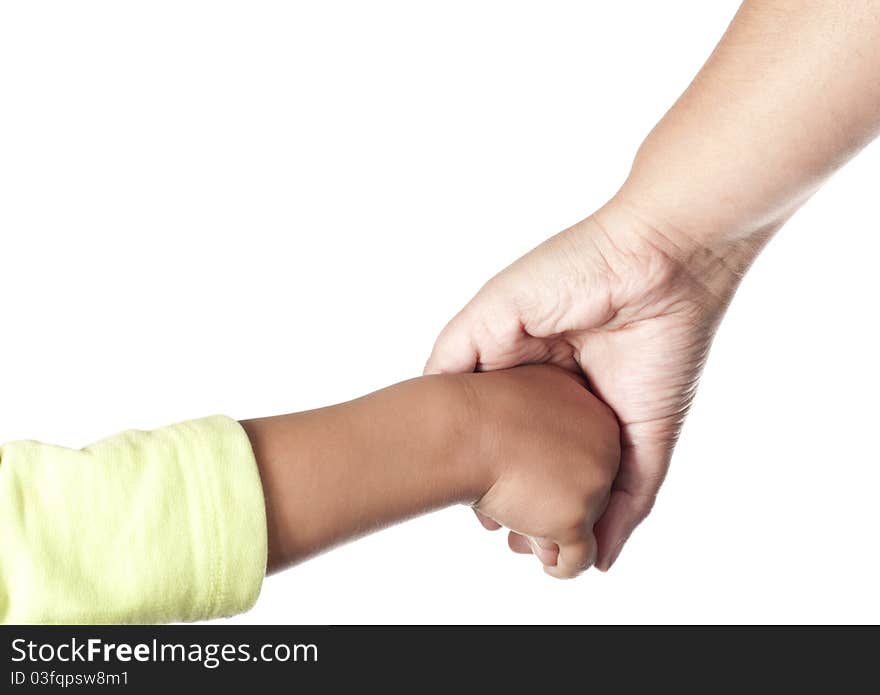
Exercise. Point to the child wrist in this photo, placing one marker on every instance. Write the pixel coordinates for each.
(471, 432)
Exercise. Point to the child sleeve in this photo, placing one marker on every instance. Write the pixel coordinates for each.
(141, 527)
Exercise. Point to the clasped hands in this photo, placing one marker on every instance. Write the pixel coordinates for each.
(631, 307)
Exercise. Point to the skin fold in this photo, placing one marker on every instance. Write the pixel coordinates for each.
(631, 296)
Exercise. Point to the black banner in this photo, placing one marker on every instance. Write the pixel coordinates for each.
(141, 659)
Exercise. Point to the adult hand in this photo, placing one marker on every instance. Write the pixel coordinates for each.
(633, 294)
(627, 304)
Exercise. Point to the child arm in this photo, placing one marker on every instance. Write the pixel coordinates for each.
(172, 524)
(529, 448)
(336, 473)
(178, 523)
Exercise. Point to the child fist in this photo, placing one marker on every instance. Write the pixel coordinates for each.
(552, 449)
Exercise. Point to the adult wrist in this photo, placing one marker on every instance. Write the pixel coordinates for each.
(702, 205)
(708, 249)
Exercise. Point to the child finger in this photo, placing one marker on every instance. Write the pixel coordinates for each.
(574, 558)
(519, 543)
(546, 550)
(488, 523)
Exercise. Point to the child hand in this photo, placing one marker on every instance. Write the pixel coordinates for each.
(553, 449)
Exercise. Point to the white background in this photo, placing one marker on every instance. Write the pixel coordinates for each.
(255, 208)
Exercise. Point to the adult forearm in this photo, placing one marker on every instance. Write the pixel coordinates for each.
(333, 474)
(791, 93)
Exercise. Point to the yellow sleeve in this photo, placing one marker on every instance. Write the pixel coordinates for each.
(141, 527)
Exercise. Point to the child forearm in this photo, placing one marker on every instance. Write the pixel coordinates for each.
(332, 474)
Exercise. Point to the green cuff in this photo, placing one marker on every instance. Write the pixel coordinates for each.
(141, 527)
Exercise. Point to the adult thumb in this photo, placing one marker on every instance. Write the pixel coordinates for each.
(455, 351)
